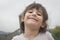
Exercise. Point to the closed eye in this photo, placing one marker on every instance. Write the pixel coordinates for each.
(30, 12)
(39, 14)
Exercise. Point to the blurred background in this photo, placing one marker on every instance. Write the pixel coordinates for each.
(11, 9)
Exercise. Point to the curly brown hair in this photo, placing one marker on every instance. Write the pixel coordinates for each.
(44, 12)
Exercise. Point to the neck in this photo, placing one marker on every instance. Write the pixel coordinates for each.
(30, 33)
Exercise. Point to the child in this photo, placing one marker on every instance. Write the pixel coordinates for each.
(33, 24)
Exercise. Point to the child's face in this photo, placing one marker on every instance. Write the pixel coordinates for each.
(33, 18)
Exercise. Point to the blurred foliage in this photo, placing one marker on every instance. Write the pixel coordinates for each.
(56, 32)
(10, 35)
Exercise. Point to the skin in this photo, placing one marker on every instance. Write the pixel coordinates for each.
(33, 20)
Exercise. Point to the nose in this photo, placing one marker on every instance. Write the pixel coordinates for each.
(34, 14)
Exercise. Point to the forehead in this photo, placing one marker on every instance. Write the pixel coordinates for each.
(38, 10)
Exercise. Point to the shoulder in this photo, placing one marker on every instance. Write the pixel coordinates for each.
(49, 35)
(18, 37)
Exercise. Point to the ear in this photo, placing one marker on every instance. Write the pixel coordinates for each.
(22, 18)
(43, 25)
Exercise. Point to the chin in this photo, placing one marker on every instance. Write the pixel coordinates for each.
(32, 23)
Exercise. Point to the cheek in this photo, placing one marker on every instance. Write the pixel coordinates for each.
(25, 17)
(41, 20)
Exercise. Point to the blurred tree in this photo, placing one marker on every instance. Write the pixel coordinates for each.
(56, 32)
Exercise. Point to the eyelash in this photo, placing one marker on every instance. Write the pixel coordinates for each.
(39, 14)
(30, 12)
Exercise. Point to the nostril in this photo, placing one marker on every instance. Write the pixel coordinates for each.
(33, 14)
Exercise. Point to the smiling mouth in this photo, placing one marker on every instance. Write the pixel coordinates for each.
(33, 19)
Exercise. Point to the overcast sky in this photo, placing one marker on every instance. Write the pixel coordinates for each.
(10, 10)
